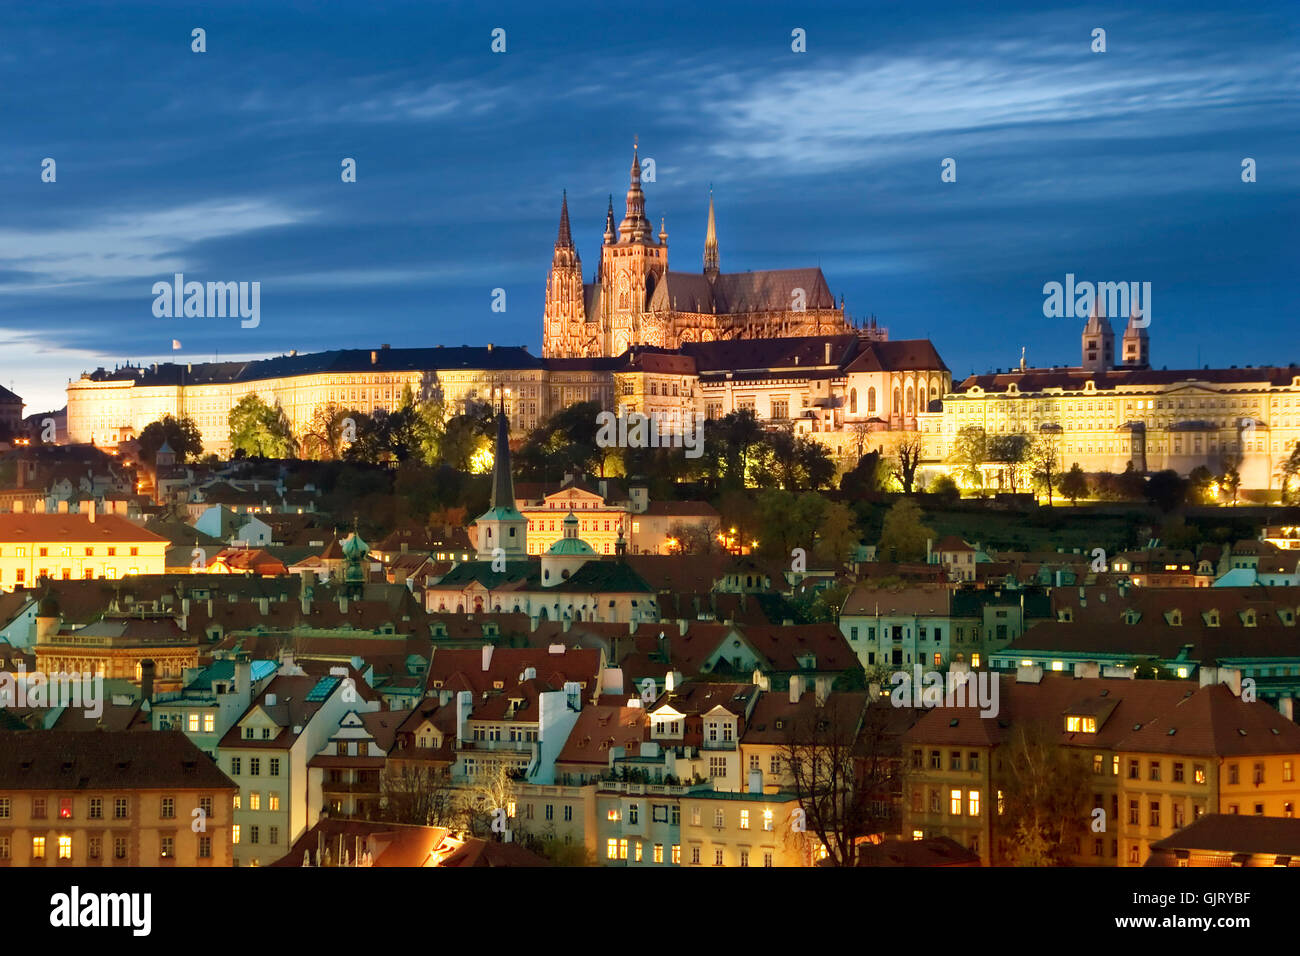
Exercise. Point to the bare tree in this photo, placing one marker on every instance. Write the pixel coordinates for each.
(842, 761)
(905, 450)
(420, 795)
(1045, 793)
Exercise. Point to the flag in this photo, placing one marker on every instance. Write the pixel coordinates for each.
(176, 344)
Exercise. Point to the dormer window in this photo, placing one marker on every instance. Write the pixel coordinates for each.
(1080, 725)
(1212, 618)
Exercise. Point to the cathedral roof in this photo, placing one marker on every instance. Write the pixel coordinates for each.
(737, 293)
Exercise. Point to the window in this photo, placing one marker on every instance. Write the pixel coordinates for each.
(275, 766)
(168, 808)
(193, 723)
(255, 802)
(718, 819)
(209, 723)
(119, 808)
(717, 857)
(38, 848)
(744, 819)
(1287, 772)
(1233, 774)
(95, 847)
(568, 812)
(205, 804)
(622, 848)
(119, 848)
(167, 848)
(611, 848)
(234, 834)
(38, 808)
(4, 808)
(1154, 770)
(695, 816)
(274, 834)
(254, 834)
(633, 812)
(4, 848)
(717, 766)
(254, 766)
(1178, 772)
(973, 803)
(955, 803)
(1198, 773)
(659, 853)
(1155, 813)
(65, 808)
(235, 766)
(675, 815)
(550, 812)
(677, 853)
(273, 802)
(955, 760)
(205, 848)
(1134, 773)
(65, 848)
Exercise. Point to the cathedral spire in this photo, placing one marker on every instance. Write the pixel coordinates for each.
(565, 251)
(711, 242)
(634, 225)
(609, 222)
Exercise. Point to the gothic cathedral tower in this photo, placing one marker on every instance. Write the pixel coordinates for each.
(565, 311)
(631, 264)
(1098, 340)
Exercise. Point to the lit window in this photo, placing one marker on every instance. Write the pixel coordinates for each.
(973, 799)
(65, 848)
(955, 803)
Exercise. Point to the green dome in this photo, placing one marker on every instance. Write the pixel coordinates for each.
(572, 547)
(354, 548)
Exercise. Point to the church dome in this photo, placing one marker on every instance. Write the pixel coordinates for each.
(571, 545)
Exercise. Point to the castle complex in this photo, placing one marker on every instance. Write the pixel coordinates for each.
(634, 299)
(647, 339)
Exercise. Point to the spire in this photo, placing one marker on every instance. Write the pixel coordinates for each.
(663, 232)
(503, 486)
(711, 242)
(609, 222)
(566, 254)
(634, 225)
(565, 238)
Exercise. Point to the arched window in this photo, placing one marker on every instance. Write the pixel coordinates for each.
(871, 400)
(911, 401)
(898, 402)
(853, 401)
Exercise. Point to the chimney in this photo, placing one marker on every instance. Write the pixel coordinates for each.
(796, 688)
(264, 605)
(682, 624)
(243, 677)
(343, 602)
(671, 680)
(1286, 707)
(464, 706)
(91, 513)
(1029, 674)
(828, 354)
(147, 668)
(271, 700)
(822, 688)
(304, 601)
(374, 357)
(487, 657)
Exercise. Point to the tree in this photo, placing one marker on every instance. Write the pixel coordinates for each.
(945, 488)
(1045, 795)
(1230, 481)
(328, 433)
(1045, 462)
(1167, 490)
(842, 767)
(787, 521)
(1010, 452)
(736, 436)
(863, 481)
(1201, 485)
(970, 450)
(182, 435)
(903, 537)
(905, 451)
(260, 430)
(420, 796)
(694, 538)
(467, 438)
(1289, 473)
(837, 535)
(1074, 484)
(563, 444)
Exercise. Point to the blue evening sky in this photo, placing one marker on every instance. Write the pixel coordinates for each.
(1123, 165)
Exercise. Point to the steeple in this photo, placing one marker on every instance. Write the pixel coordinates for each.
(634, 225)
(503, 485)
(502, 530)
(1136, 345)
(566, 253)
(711, 243)
(609, 222)
(1098, 340)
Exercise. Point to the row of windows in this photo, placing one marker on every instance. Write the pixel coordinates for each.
(254, 763)
(255, 801)
(255, 834)
(63, 846)
(95, 808)
(66, 552)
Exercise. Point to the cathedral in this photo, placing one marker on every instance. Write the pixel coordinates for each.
(634, 299)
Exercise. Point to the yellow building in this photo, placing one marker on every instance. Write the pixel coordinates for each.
(107, 407)
(1104, 418)
(600, 524)
(75, 546)
(744, 829)
(111, 798)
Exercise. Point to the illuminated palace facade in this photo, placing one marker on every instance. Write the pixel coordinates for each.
(635, 299)
(1105, 415)
(105, 408)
